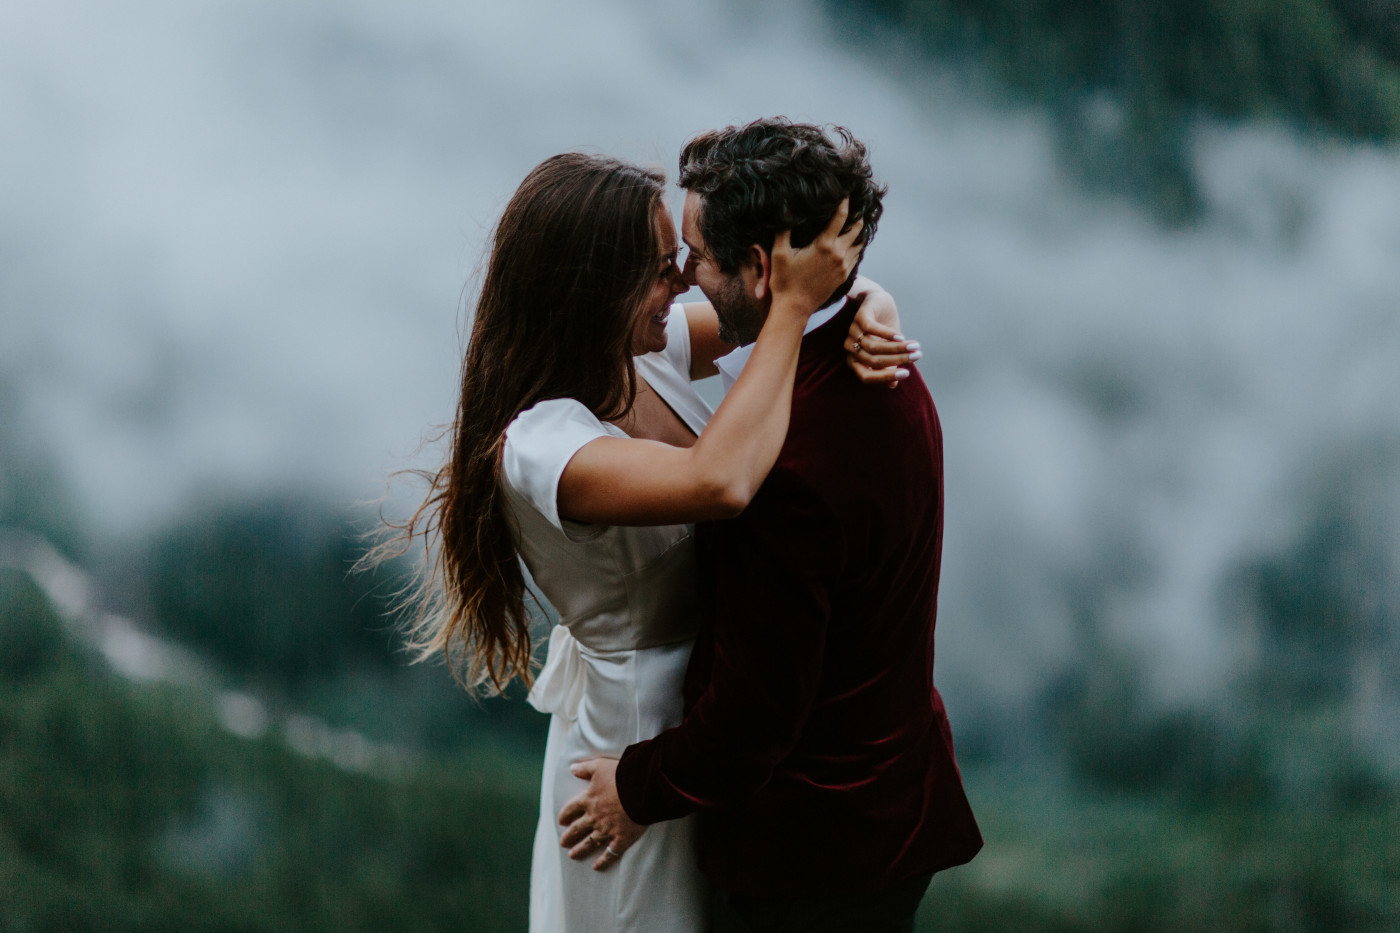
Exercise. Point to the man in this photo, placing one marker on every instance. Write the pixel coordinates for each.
(814, 742)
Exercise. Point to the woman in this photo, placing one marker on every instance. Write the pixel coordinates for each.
(578, 450)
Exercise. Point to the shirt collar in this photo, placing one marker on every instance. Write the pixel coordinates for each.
(732, 364)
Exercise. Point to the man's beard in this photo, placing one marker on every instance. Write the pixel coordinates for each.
(741, 316)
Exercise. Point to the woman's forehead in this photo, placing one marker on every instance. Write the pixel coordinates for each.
(666, 230)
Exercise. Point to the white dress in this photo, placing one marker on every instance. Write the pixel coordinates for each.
(626, 603)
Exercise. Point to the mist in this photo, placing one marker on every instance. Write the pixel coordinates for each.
(239, 241)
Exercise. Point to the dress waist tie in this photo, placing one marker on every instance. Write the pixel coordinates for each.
(559, 687)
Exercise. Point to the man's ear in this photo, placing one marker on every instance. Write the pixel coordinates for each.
(760, 262)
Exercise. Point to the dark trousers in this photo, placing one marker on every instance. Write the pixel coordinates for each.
(888, 911)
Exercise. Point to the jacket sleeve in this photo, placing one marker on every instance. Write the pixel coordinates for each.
(771, 569)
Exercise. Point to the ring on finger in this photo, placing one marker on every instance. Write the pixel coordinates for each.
(609, 849)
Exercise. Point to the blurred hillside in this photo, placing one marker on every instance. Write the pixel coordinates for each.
(150, 806)
(148, 789)
(217, 732)
(1125, 78)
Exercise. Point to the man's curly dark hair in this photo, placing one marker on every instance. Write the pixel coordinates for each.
(772, 175)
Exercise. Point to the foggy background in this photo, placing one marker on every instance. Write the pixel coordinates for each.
(238, 243)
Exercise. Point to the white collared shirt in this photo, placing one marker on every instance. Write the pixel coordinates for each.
(732, 363)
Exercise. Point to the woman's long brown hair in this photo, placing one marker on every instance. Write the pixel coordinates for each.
(573, 258)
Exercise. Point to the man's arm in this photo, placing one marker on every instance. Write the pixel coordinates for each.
(771, 569)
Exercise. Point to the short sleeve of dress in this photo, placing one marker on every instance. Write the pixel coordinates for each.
(677, 350)
(540, 442)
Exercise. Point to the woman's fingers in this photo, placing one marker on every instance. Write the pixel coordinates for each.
(867, 325)
(853, 254)
(876, 351)
(877, 359)
(838, 219)
(878, 375)
(811, 274)
(848, 239)
(891, 376)
(842, 245)
(846, 242)
(877, 314)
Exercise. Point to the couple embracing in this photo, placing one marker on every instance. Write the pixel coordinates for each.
(745, 734)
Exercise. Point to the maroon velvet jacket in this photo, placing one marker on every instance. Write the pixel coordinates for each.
(814, 741)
